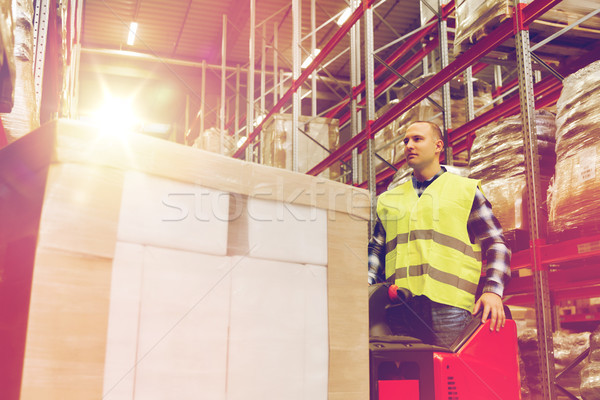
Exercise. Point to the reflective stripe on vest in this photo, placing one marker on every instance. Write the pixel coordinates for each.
(428, 249)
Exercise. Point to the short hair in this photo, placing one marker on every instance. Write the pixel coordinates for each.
(434, 128)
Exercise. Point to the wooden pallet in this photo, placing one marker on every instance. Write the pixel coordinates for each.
(591, 228)
(479, 33)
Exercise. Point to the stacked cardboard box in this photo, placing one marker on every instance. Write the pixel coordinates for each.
(144, 269)
(476, 18)
(210, 140)
(318, 137)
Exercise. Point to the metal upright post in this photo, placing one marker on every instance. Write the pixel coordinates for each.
(250, 82)
(203, 97)
(469, 93)
(354, 67)
(370, 111)
(186, 124)
(313, 51)
(497, 77)
(237, 103)
(296, 21)
(223, 82)
(470, 106)
(443, 32)
(275, 66)
(40, 35)
(263, 70)
(537, 225)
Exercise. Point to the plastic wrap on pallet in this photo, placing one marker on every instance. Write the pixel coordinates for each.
(574, 195)
(7, 59)
(498, 160)
(210, 140)
(498, 152)
(23, 117)
(569, 11)
(590, 374)
(318, 137)
(476, 18)
(567, 347)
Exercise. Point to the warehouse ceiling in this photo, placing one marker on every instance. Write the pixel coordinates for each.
(174, 37)
(160, 74)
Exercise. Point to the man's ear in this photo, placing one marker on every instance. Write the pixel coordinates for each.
(439, 145)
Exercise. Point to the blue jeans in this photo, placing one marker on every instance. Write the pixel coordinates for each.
(431, 322)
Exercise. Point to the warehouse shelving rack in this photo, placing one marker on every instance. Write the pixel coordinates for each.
(545, 92)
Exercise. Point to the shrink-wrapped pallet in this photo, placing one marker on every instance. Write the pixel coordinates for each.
(497, 158)
(24, 116)
(574, 196)
(316, 139)
(477, 18)
(567, 347)
(210, 140)
(590, 374)
(138, 268)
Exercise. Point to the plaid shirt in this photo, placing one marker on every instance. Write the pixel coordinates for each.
(482, 226)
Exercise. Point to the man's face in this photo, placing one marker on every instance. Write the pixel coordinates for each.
(421, 146)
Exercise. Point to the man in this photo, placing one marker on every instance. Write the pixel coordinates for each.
(429, 238)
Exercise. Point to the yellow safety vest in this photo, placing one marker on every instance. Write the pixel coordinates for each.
(428, 250)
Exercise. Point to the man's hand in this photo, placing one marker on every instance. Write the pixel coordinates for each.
(492, 305)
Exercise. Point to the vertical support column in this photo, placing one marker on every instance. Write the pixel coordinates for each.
(263, 70)
(313, 51)
(223, 81)
(296, 21)
(275, 66)
(497, 77)
(370, 114)
(203, 97)
(236, 125)
(537, 228)
(77, 9)
(250, 82)
(443, 32)
(40, 35)
(354, 71)
(470, 106)
(186, 125)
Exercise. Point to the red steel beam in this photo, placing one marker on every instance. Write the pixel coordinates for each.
(569, 250)
(329, 46)
(505, 88)
(499, 35)
(392, 78)
(481, 48)
(447, 9)
(479, 67)
(549, 87)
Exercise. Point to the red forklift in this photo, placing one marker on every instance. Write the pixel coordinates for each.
(479, 365)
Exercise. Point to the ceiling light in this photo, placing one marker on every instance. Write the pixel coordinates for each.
(132, 30)
(344, 17)
(310, 58)
(241, 141)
